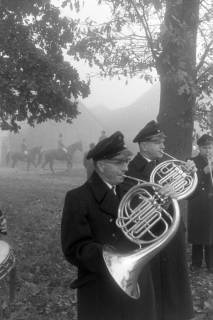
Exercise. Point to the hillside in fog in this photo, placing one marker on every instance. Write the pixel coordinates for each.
(132, 118)
(85, 128)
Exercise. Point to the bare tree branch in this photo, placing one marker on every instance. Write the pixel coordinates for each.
(146, 29)
(206, 52)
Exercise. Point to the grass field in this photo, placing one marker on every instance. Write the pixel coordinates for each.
(33, 202)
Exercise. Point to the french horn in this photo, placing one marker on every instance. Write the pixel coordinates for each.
(144, 218)
(175, 173)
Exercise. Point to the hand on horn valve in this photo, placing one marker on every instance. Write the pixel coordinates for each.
(190, 166)
(168, 191)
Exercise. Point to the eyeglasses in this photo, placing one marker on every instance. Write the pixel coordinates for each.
(118, 162)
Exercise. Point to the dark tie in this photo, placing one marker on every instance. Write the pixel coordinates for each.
(149, 167)
(114, 199)
(153, 163)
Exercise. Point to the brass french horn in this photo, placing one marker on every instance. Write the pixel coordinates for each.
(144, 218)
(175, 173)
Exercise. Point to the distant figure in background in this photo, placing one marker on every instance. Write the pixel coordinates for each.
(88, 163)
(24, 148)
(61, 145)
(103, 135)
(200, 207)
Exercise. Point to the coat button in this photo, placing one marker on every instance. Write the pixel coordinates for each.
(111, 220)
(113, 235)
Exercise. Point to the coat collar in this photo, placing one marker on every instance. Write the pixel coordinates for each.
(103, 195)
(139, 161)
(202, 159)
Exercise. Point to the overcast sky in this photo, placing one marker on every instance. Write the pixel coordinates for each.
(110, 93)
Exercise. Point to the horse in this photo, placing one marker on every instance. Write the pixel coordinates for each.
(48, 156)
(30, 158)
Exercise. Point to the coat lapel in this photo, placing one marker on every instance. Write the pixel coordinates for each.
(143, 167)
(107, 201)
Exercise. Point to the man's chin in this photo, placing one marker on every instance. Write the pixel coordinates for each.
(160, 156)
(119, 180)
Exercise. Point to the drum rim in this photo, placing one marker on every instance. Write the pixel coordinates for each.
(9, 261)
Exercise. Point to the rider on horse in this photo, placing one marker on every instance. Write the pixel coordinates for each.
(24, 148)
(61, 145)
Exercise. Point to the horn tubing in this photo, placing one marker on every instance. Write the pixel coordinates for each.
(134, 179)
(135, 222)
(171, 157)
(168, 155)
(176, 174)
(126, 268)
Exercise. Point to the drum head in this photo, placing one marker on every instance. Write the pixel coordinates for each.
(4, 250)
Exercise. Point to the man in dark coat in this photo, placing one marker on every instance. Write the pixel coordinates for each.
(169, 267)
(200, 207)
(88, 224)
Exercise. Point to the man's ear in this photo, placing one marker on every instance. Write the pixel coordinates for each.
(100, 166)
(142, 145)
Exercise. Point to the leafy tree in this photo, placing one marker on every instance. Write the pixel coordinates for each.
(171, 38)
(36, 83)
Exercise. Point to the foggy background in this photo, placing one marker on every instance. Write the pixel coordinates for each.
(112, 105)
(88, 125)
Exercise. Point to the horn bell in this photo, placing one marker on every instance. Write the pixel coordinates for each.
(144, 219)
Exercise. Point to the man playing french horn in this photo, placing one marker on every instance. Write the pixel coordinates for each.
(200, 208)
(169, 266)
(88, 224)
(114, 278)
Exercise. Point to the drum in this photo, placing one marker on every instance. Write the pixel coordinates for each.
(7, 259)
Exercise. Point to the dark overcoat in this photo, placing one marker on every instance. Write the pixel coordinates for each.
(169, 267)
(88, 223)
(200, 207)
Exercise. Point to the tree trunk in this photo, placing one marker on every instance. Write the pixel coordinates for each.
(176, 67)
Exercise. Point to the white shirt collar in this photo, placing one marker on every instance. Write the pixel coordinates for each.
(147, 159)
(108, 184)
